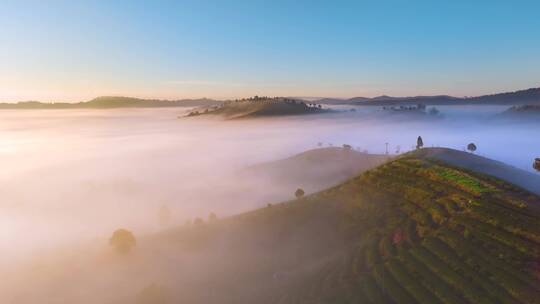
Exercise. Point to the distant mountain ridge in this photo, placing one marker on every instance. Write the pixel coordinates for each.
(521, 97)
(112, 102)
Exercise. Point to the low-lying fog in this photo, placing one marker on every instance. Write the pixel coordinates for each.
(73, 176)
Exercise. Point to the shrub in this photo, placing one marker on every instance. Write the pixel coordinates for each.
(122, 240)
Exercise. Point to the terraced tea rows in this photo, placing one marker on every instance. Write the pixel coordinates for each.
(420, 231)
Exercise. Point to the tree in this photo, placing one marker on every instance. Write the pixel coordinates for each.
(347, 147)
(299, 193)
(212, 217)
(198, 221)
(433, 111)
(536, 164)
(122, 240)
(419, 142)
(471, 147)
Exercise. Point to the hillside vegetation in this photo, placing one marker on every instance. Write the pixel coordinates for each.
(524, 179)
(260, 107)
(414, 230)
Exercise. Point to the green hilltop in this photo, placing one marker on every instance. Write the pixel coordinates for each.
(413, 230)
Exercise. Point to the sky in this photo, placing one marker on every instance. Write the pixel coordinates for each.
(75, 50)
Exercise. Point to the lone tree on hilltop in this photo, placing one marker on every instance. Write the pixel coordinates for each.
(122, 240)
(419, 142)
(299, 193)
(471, 147)
(536, 164)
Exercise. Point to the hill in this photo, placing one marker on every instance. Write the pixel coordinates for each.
(522, 97)
(261, 107)
(413, 230)
(112, 102)
(521, 113)
(316, 169)
(524, 179)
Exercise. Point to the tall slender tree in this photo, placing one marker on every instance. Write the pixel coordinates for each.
(419, 142)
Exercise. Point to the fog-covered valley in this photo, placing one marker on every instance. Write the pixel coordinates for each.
(71, 177)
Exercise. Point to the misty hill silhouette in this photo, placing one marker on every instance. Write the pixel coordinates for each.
(112, 102)
(413, 230)
(317, 169)
(521, 97)
(261, 107)
(526, 113)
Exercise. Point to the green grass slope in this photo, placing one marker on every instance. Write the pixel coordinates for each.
(414, 230)
(524, 179)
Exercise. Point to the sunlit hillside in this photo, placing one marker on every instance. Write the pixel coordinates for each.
(413, 230)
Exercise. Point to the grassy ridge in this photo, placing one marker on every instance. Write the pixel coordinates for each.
(414, 231)
(439, 235)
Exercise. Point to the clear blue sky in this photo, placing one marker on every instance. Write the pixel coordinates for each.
(73, 50)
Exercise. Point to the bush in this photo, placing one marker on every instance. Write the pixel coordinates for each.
(122, 240)
(299, 193)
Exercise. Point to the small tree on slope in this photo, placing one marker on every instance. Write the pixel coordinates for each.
(299, 193)
(419, 142)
